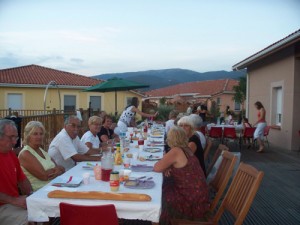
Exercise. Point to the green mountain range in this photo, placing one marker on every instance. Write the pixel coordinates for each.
(167, 77)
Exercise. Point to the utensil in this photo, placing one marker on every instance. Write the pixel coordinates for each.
(70, 179)
(149, 178)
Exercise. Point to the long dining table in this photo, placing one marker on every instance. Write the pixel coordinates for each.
(40, 207)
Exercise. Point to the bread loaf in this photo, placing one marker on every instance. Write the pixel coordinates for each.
(99, 195)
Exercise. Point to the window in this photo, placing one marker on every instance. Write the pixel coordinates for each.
(237, 106)
(14, 101)
(69, 103)
(218, 101)
(128, 101)
(95, 102)
(278, 105)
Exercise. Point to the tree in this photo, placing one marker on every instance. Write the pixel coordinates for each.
(240, 92)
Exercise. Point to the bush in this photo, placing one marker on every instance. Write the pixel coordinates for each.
(164, 111)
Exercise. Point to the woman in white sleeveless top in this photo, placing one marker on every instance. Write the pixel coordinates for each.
(127, 117)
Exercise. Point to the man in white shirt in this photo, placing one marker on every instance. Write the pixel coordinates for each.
(66, 148)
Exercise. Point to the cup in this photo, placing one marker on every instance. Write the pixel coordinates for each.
(97, 172)
(135, 156)
(141, 148)
(127, 174)
(105, 174)
(141, 142)
(121, 176)
(126, 162)
(86, 178)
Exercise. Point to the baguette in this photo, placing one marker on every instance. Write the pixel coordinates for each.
(99, 195)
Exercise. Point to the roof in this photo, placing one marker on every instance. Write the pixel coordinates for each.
(283, 43)
(39, 75)
(199, 88)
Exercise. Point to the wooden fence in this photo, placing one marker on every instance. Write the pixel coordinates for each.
(53, 121)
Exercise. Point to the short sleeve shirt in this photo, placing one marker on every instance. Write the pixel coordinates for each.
(10, 174)
(89, 137)
(62, 148)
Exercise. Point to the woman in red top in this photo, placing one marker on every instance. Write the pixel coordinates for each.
(260, 125)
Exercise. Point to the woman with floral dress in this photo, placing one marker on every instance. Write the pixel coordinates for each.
(185, 192)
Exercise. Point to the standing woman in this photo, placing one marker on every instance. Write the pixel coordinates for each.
(260, 125)
(184, 191)
(127, 118)
(36, 163)
(186, 122)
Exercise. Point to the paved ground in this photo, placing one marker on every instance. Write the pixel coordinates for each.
(278, 199)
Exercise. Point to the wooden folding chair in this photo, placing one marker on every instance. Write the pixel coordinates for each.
(238, 198)
(207, 148)
(217, 153)
(71, 214)
(221, 179)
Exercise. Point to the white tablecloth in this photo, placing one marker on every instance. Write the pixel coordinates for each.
(40, 207)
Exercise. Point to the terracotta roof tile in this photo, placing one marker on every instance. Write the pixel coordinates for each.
(39, 75)
(210, 87)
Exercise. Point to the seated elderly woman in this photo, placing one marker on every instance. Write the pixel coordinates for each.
(106, 132)
(185, 192)
(36, 163)
(90, 137)
(187, 124)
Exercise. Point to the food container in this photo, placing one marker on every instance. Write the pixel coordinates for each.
(114, 181)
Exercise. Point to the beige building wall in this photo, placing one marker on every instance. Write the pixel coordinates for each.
(278, 70)
(33, 98)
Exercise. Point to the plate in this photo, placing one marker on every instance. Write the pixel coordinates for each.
(142, 168)
(88, 166)
(153, 158)
(134, 184)
(157, 135)
(152, 150)
(67, 181)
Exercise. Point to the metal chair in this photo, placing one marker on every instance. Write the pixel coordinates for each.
(248, 135)
(216, 133)
(84, 214)
(266, 133)
(229, 133)
(238, 198)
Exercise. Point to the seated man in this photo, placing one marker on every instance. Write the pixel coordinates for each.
(66, 148)
(12, 179)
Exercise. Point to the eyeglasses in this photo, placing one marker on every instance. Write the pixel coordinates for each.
(184, 125)
(73, 125)
(12, 137)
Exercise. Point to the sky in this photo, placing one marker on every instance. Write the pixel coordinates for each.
(92, 37)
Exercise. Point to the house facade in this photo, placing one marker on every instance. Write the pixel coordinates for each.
(274, 79)
(205, 92)
(36, 87)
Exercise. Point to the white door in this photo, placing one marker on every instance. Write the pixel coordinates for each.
(14, 101)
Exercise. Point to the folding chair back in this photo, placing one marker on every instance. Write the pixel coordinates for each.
(216, 133)
(84, 214)
(238, 198)
(220, 181)
(230, 134)
(241, 193)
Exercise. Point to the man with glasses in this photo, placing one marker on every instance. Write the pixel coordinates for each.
(66, 148)
(12, 179)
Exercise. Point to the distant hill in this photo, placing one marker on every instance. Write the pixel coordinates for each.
(163, 78)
